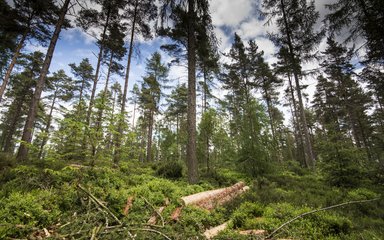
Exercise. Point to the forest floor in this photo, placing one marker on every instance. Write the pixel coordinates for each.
(59, 201)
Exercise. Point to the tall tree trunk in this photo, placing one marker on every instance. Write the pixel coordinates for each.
(13, 63)
(298, 131)
(269, 108)
(116, 157)
(191, 113)
(303, 120)
(101, 111)
(99, 59)
(46, 130)
(12, 128)
(149, 136)
(28, 128)
(204, 109)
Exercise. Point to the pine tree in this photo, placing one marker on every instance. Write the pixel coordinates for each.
(20, 94)
(139, 14)
(60, 86)
(363, 18)
(156, 74)
(352, 102)
(35, 17)
(27, 133)
(190, 18)
(94, 19)
(295, 21)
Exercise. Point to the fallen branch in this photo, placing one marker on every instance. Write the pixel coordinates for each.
(154, 209)
(317, 210)
(151, 230)
(97, 201)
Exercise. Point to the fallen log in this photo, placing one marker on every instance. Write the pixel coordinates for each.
(128, 205)
(213, 232)
(210, 199)
(253, 232)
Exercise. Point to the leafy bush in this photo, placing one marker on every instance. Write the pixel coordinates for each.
(27, 210)
(170, 170)
(246, 211)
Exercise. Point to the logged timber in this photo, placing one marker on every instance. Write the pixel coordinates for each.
(253, 232)
(213, 232)
(210, 199)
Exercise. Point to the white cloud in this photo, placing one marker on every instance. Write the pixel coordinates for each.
(251, 29)
(230, 13)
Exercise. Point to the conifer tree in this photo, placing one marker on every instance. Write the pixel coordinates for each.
(149, 99)
(295, 20)
(34, 18)
(60, 86)
(139, 14)
(27, 133)
(20, 95)
(363, 18)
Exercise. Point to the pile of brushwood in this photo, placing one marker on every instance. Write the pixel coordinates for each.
(135, 201)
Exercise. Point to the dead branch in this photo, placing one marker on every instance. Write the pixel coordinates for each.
(154, 209)
(97, 201)
(318, 210)
(151, 230)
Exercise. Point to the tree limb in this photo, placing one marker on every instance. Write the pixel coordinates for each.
(97, 201)
(317, 210)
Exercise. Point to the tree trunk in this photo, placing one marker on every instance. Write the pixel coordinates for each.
(298, 131)
(191, 114)
(149, 136)
(308, 145)
(12, 129)
(46, 130)
(12, 64)
(116, 157)
(99, 58)
(27, 133)
(103, 101)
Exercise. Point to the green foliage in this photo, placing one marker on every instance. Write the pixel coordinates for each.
(245, 212)
(170, 170)
(341, 163)
(27, 210)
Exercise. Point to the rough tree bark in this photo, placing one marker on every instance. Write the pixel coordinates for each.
(191, 113)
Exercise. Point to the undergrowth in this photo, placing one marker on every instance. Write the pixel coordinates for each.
(45, 200)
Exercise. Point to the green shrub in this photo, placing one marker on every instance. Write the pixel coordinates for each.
(247, 210)
(170, 170)
(27, 210)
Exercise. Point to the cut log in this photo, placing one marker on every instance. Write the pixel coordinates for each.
(253, 232)
(213, 232)
(210, 199)
(128, 205)
(153, 219)
(157, 213)
(176, 214)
